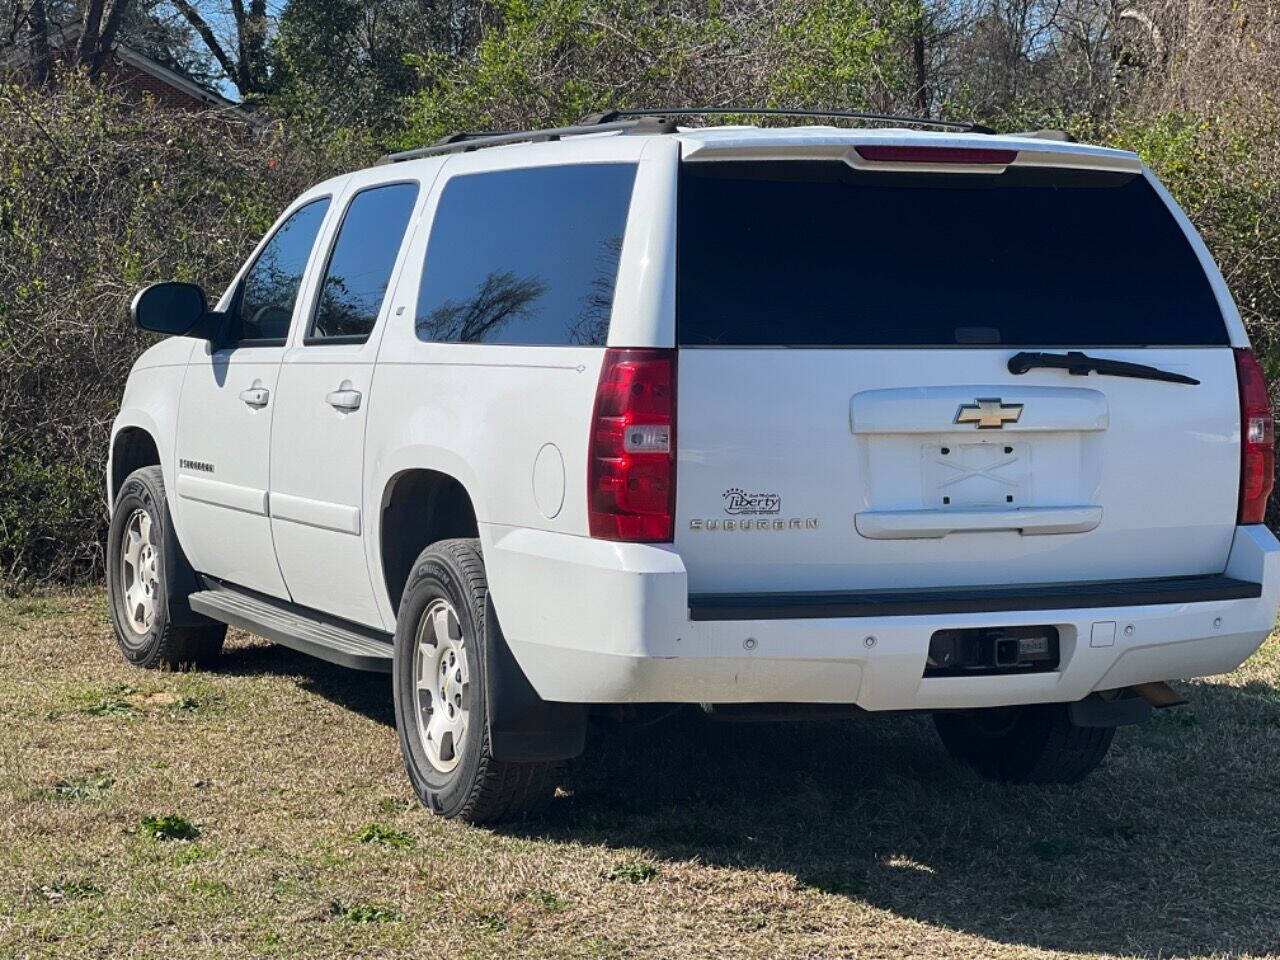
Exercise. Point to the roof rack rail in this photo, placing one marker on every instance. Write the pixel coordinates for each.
(1063, 136)
(610, 116)
(462, 135)
(465, 141)
(649, 121)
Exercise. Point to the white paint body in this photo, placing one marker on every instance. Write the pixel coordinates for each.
(1111, 478)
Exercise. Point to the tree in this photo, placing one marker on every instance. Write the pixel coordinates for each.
(38, 24)
(246, 58)
(155, 29)
(41, 54)
(542, 62)
(98, 29)
(347, 63)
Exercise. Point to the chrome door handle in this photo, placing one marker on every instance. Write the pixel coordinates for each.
(344, 399)
(255, 396)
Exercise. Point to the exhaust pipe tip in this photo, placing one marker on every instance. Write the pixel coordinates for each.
(1159, 695)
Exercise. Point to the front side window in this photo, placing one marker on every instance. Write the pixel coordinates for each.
(263, 306)
(360, 265)
(526, 256)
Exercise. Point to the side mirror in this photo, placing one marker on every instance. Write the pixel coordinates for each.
(176, 309)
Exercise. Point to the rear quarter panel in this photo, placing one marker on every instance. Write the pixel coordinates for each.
(487, 414)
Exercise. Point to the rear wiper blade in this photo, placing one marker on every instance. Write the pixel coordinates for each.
(1079, 365)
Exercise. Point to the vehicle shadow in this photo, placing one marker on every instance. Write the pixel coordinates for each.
(1171, 848)
(365, 693)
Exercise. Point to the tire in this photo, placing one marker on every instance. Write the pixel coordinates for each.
(442, 726)
(1033, 744)
(149, 580)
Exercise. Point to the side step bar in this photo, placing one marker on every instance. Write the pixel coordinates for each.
(297, 628)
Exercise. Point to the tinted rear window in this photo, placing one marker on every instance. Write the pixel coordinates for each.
(526, 256)
(814, 253)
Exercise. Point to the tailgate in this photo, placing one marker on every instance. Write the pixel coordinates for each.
(847, 416)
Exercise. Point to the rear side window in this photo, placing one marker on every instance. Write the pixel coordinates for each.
(359, 270)
(816, 254)
(264, 303)
(526, 256)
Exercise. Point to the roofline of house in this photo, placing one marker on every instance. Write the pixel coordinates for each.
(16, 53)
(174, 79)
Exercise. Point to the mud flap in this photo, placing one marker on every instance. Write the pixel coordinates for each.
(524, 728)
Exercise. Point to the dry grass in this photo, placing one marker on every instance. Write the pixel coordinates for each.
(678, 840)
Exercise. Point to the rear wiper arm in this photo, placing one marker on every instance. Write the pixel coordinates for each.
(1079, 365)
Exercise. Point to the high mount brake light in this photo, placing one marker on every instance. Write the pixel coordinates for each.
(631, 483)
(967, 155)
(1257, 439)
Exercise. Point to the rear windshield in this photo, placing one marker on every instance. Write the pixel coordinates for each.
(816, 254)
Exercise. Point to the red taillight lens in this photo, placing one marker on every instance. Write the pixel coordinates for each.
(631, 479)
(1257, 439)
(936, 155)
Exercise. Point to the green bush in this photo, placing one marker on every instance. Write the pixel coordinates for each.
(1224, 171)
(99, 197)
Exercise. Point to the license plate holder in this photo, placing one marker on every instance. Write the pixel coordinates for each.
(987, 473)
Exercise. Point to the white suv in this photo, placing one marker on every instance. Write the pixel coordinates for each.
(774, 421)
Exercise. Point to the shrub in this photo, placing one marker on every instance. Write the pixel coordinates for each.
(99, 197)
(1224, 171)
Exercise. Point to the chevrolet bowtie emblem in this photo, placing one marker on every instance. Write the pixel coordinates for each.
(988, 413)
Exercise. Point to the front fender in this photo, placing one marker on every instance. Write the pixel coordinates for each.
(150, 403)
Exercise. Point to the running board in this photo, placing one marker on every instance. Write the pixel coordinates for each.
(297, 628)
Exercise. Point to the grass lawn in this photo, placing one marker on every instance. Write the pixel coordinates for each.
(261, 810)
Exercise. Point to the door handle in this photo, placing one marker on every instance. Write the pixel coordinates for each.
(343, 399)
(255, 396)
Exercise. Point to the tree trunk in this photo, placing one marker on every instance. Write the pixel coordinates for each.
(107, 39)
(90, 25)
(918, 59)
(41, 55)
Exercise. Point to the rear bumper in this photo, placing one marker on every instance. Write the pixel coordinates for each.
(598, 622)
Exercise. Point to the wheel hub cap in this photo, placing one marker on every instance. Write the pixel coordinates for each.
(442, 685)
(139, 572)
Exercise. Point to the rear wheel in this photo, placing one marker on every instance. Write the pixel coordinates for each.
(1032, 744)
(149, 580)
(441, 697)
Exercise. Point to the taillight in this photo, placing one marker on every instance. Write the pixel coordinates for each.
(631, 481)
(889, 154)
(1257, 439)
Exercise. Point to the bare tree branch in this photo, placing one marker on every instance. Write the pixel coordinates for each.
(201, 26)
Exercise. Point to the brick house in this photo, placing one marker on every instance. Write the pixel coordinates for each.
(131, 73)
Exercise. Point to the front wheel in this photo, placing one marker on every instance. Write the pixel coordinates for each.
(441, 697)
(149, 580)
(1032, 744)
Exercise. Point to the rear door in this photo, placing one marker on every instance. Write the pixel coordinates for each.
(847, 414)
(318, 515)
